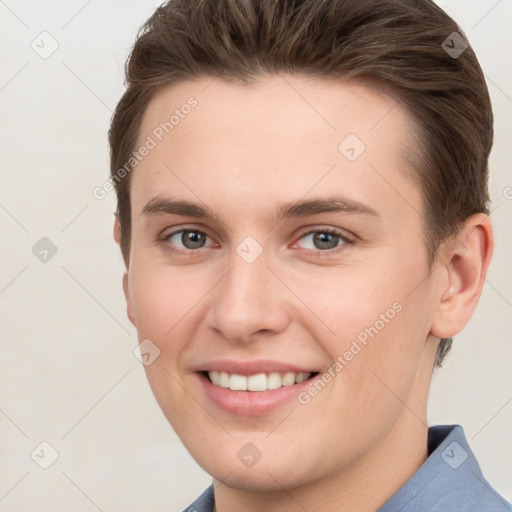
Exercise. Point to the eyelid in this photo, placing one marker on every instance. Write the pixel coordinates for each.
(347, 237)
(168, 233)
(173, 230)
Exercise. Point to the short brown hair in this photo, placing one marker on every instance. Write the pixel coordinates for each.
(400, 46)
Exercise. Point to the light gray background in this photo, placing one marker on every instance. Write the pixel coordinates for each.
(68, 374)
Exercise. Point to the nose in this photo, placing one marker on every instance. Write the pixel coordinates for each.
(249, 302)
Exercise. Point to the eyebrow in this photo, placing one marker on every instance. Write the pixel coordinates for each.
(292, 209)
(305, 208)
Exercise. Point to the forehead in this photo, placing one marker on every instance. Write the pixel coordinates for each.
(281, 135)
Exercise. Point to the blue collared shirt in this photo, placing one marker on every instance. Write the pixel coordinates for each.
(450, 480)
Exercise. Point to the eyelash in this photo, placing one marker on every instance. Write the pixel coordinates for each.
(196, 252)
(344, 239)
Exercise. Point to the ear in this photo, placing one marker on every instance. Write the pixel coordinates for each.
(117, 230)
(464, 260)
(129, 308)
(126, 288)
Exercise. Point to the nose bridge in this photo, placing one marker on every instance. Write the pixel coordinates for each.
(249, 299)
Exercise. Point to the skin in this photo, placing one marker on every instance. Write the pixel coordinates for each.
(243, 152)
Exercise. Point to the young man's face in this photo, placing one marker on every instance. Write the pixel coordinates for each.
(276, 282)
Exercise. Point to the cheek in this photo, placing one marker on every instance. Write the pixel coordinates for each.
(352, 303)
(378, 329)
(161, 298)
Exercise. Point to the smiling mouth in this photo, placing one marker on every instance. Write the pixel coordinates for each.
(258, 381)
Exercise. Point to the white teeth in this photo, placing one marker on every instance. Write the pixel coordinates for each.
(288, 379)
(257, 382)
(301, 377)
(273, 380)
(223, 380)
(238, 382)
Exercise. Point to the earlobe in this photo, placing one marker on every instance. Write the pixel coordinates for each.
(117, 230)
(467, 257)
(126, 290)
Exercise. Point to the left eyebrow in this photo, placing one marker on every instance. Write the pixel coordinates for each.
(304, 208)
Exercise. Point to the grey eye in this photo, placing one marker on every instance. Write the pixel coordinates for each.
(325, 240)
(189, 239)
(322, 240)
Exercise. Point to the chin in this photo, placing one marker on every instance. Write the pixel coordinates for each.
(238, 464)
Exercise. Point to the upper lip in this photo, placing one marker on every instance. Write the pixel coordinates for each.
(252, 367)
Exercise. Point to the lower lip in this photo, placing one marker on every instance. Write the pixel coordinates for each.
(251, 403)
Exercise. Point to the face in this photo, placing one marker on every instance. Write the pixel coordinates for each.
(277, 246)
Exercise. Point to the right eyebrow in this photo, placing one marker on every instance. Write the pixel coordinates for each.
(169, 206)
(160, 206)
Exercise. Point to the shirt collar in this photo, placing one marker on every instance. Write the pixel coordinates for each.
(449, 480)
